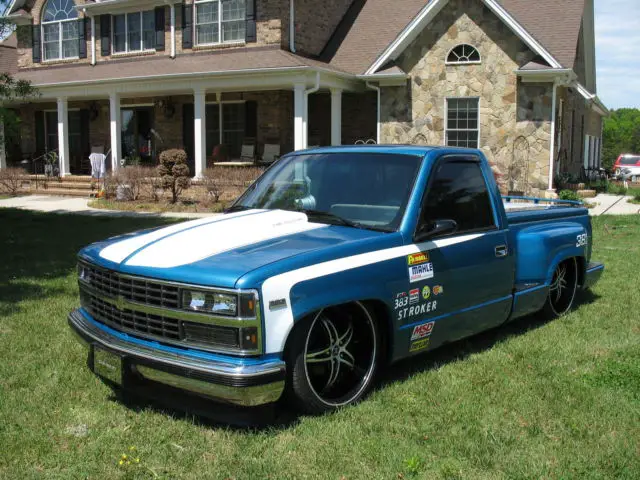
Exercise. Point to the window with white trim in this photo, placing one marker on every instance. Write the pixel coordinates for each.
(134, 32)
(463, 122)
(463, 53)
(60, 30)
(219, 21)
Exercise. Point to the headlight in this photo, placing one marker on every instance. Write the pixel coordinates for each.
(220, 303)
(210, 302)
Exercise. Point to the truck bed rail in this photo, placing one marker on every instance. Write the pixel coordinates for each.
(514, 202)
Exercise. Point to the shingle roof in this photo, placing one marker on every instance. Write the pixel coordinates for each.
(231, 60)
(371, 25)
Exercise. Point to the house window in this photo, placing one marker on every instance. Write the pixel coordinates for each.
(134, 32)
(463, 122)
(219, 21)
(463, 54)
(60, 30)
(233, 127)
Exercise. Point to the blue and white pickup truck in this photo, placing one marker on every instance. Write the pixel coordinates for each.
(335, 262)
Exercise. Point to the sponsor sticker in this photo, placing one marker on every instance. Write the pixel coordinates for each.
(419, 345)
(438, 290)
(422, 309)
(426, 292)
(402, 300)
(417, 258)
(420, 272)
(422, 331)
(414, 296)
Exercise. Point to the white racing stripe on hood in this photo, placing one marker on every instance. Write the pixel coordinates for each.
(204, 241)
(117, 252)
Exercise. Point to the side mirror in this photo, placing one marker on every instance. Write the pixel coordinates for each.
(434, 229)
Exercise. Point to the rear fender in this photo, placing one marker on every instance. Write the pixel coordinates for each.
(540, 249)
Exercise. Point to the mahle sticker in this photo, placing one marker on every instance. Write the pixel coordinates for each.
(420, 272)
(418, 258)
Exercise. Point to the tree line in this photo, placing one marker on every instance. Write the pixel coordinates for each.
(621, 135)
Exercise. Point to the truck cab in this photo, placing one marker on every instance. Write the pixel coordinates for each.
(334, 263)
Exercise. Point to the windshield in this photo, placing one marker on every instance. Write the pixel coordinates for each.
(365, 190)
(629, 160)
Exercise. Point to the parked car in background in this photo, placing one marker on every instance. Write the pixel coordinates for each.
(335, 262)
(628, 165)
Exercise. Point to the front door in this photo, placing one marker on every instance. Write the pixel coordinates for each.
(78, 125)
(462, 282)
(138, 139)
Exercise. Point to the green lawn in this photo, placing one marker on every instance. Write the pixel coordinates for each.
(530, 400)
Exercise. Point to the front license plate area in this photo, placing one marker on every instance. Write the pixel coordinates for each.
(107, 365)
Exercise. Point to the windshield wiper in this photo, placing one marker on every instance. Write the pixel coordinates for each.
(333, 218)
(237, 208)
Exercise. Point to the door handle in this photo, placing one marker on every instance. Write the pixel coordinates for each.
(501, 251)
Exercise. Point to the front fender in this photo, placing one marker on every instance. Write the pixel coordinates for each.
(541, 248)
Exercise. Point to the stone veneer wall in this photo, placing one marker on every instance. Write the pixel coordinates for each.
(272, 28)
(509, 110)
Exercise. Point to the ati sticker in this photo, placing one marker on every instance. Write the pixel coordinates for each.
(419, 345)
(438, 290)
(420, 272)
(414, 296)
(418, 258)
(409, 312)
(402, 300)
(426, 292)
(421, 331)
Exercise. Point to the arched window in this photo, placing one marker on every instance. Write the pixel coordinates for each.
(463, 54)
(60, 30)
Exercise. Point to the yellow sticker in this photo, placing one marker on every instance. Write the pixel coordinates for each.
(418, 258)
(419, 345)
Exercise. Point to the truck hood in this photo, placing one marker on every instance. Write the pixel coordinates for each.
(218, 251)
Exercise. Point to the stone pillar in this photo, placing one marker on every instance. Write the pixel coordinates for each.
(199, 127)
(299, 117)
(116, 130)
(3, 150)
(63, 136)
(336, 116)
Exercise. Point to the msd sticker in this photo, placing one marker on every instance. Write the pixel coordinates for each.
(418, 273)
(422, 331)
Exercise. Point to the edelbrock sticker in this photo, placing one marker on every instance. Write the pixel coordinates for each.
(421, 272)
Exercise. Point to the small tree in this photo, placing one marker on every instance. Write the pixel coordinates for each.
(174, 172)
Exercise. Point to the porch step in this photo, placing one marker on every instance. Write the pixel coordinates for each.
(67, 179)
(62, 192)
(54, 184)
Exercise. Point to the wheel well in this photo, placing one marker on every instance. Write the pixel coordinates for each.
(380, 314)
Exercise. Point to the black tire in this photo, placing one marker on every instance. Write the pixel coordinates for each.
(563, 288)
(332, 358)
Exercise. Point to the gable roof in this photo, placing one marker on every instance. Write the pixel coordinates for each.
(372, 26)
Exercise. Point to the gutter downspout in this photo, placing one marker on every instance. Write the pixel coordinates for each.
(308, 92)
(377, 89)
(292, 27)
(552, 148)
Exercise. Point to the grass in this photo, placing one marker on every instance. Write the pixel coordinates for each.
(157, 207)
(529, 400)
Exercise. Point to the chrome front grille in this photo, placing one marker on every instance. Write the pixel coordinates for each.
(151, 310)
(112, 284)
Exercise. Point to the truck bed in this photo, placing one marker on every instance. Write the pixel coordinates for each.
(530, 209)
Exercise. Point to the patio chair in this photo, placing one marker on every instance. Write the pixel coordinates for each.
(271, 153)
(248, 152)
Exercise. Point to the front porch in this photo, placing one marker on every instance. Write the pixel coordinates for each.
(220, 120)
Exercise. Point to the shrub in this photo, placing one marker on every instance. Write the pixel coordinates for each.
(11, 180)
(229, 182)
(174, 172)
(133, 180)
(569, 195)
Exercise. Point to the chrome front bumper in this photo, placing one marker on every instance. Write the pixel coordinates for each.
(244, 382)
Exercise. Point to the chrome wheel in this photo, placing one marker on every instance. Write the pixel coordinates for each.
(562, 290)
(340, 354)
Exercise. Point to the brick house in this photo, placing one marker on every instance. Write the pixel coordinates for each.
(139, 76)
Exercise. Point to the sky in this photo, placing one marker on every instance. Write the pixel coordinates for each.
(617, 52)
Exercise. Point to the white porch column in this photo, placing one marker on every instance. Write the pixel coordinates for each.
(93, 40)
(172, 8)
(336, 116)
(199, 127)
(63, 136)
(3, 150)
(300, 117)
(116, 130)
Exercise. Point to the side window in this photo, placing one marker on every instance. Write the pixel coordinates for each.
(459, 192)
